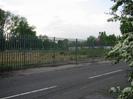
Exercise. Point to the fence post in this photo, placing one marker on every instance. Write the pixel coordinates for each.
(76, 51)
(24, 41)
(53, 51)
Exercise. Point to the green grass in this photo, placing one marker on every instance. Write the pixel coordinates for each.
(93, 52)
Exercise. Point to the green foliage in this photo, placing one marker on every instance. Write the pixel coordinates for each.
(102, 40)
(21, 27)
(93, 52)
(126, 25)
(63, 44)
(124, 49)
(91, 41)
(126, 93)
(14, 25)
(107, 40)
(4, 21)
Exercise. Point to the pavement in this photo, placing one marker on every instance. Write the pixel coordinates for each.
(81, 81)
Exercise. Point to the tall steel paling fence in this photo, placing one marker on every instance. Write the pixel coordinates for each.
(17, 52)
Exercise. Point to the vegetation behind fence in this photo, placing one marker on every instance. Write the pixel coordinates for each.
(18, 52)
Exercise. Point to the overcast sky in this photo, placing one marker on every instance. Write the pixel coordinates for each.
(65, 18)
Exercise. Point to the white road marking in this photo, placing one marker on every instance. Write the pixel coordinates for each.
(43, 89)
(105, 74)
(29, 92)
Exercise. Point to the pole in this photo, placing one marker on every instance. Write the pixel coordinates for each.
(76, 51)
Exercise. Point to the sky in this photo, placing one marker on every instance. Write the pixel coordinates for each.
(65, 18)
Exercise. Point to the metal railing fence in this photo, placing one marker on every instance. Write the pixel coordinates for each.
(17, 52)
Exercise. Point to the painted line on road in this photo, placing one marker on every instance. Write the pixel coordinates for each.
(113, 72)
(29, 92)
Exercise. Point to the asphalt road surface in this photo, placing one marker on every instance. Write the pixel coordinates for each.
(84, 81)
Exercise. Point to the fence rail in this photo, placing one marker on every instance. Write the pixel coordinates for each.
(17, 52)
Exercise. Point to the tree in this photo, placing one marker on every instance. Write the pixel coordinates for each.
(63, 44)
(107, 40)
(14, 24)
(21, 27)
(91, 41)
(124, 49)
(111, 40)
(15, 30)
(103, 38)
(126, 26)
(4, 21)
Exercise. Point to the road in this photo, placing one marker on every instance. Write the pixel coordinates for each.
(84, 81)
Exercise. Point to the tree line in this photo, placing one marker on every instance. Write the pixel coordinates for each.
(16, 33)
(102, 40)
